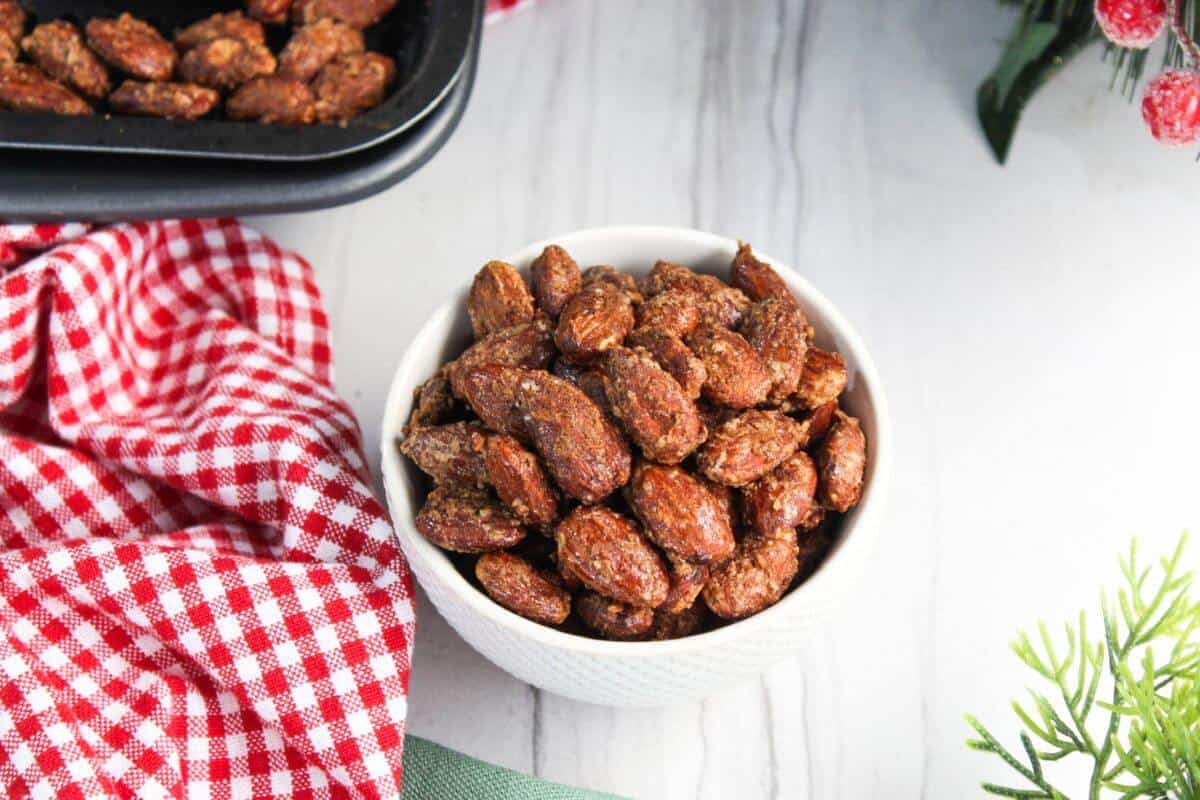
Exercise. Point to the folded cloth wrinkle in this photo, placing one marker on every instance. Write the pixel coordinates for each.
(199, 594)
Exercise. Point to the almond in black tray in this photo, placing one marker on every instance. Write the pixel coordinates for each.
(352, 84)
(133, 47)
(231, 25)
(163, 99)
(24, 87)
(355, 13)
(322, 74)
(12, 27)
(58, 48)
(315, 45)
(273, 100)
(226, 63)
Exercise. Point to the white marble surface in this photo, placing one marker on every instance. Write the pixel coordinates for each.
(1034, 325)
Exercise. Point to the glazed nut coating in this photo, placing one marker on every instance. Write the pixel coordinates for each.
(681, 514)
(672, 355)
(132, 46)
(161, 99)
(556, 279)
(522, 588)
(755, 577)
(355, 13)
(757, 279)
(315, 45)
(498, 299)
(823, 379)
(325, 74)
(233, 25)
(735, 374)
(520, 481)
(12, 19)
(26, 88)
(467, 521)
(675, 311)
(583, 451)
(272, 100)
(272, 12)
(653, 408)
(666, 275)
(612, 620)
(676, 625)
(529, 346)
(596, 319)
(8, 50)
(433, 402)
(782, 497)
(226, 63)
(352, 84)
(842, 458)
(816, 422)
(491, 391)
(745, 461)
(687, 581)
(748, 446)
(603, 273)
(450, 454)
(777, 330)
(607, 553)
(58, 48)
(720, 304)
(587, 379)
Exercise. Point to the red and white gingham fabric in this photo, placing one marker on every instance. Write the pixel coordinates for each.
(18, 241)
(199, 595)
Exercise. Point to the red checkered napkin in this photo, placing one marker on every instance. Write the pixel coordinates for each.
(199, 595)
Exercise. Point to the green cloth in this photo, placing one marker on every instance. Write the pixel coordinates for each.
(433, 772)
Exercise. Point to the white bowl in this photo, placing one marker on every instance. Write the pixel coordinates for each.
(638, 673)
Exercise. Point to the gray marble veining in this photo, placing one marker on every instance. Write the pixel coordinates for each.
(1033, 325)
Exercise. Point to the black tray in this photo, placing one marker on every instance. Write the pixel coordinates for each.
(48, 187)
(428, 38)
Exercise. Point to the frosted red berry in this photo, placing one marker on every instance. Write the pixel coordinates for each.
(1171, 106)
(1131, 23)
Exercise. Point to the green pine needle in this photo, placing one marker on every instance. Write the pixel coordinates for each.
(1144, 742)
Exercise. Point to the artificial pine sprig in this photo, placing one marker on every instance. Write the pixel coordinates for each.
(1144, 741)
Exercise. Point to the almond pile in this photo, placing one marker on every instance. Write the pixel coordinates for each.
(632, 459)
(324, 73)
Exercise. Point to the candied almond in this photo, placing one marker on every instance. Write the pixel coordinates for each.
(522, 588)
(520, 480)
(556, 279)
(605, 551)
(581, 448)
(681, 514)
(449, 453)
(651, 405)
(595, 319)
(748, 446)
(613, 620)
(498, 299)
(467, 521)
(735, 374)
(842, 458)
(754, 577)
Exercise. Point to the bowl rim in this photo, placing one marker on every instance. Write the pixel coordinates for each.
(859, 530)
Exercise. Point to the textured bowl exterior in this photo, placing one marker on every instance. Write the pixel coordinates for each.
(639, 674)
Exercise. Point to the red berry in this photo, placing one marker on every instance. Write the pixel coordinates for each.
(1131, 23)
(1171, 106)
